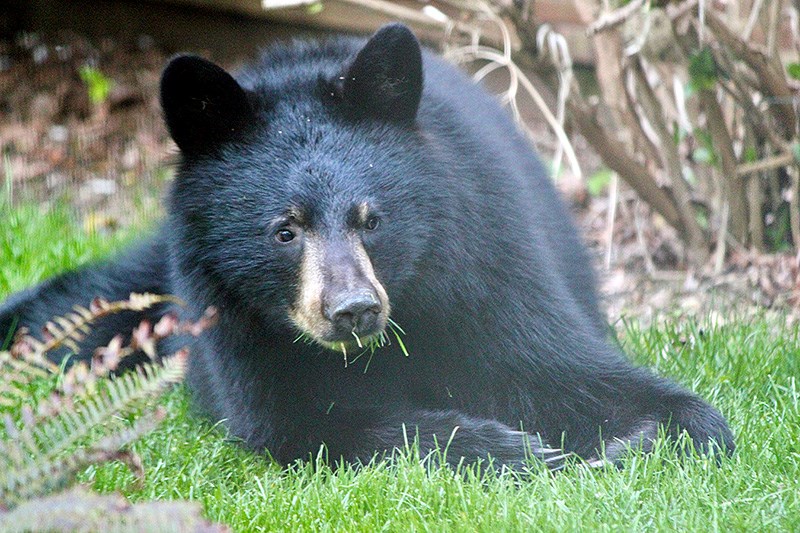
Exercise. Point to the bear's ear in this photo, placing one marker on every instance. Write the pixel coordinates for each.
(203, 105)
(385, 78)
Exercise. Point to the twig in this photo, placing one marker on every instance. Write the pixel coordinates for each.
(680, 104)
(754, 196)
(722, 240)
(637, 223)
(647, 136)
(772, 27)
(723, 144)
(414, 16)
(794, 26)
(755, 218)
(768, 163)
(752, 19)
(608, 54)
(794, 204)
(695, 240)
(644, 33)
(517, 78)
(269, 5)
(613, 198)
(674, 12)
(469, 53)
(616, 156)
(721, 140)
(744, 99)
(612, 19)
(701, 21)
(560, 56)
(771, 78)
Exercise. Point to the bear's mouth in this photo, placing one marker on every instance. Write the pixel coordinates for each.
(357, 344)
(391, 333)
(353, 344)
(326, 333)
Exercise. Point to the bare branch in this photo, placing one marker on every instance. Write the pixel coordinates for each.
(614, 18)
(769, 163)
(616, 156)
(794, 203)
(771, 77)
(675, 12)
(723, 144)
(773, 22)
(722, 141)
(695, 239)
(755, 12)
(613, 199)
(469, 53)
(645, 135)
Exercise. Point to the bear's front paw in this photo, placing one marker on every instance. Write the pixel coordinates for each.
(708, 429)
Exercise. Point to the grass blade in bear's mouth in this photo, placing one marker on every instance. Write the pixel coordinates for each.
(367, 344)
(397, 330)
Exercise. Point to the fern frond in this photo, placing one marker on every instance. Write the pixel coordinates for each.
(70, 329)
(42, 455)
(58, 423)
(26, 361)
(17, 375)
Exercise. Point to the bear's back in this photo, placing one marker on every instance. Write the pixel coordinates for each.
(513, 176)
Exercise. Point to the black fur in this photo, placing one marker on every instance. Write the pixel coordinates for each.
(203, 105)
(483, 268)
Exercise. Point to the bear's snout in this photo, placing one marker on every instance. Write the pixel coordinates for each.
(354, 312)
(340, 298)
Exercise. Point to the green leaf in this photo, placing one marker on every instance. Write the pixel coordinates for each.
(315, 8)
(793, 69)
(598, 182)
(796, 151)
(704, 138)
(702, 219)
(689, 176)
(688, 91)
(98, 85)
(705, 152)
(703, 155)
(678, 133)
(703, 69)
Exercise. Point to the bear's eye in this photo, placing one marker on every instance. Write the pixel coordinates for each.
(372, 223)
(284, 235)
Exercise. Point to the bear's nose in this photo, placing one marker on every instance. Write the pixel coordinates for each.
(355, 312)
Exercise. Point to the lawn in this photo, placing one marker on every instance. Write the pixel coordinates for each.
(748, 368)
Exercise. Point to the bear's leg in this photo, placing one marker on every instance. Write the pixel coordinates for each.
(457, 436)
(645, 403)
(142, 269)
(700, 421)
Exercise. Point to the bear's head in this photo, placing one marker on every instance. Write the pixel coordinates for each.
(301, 193)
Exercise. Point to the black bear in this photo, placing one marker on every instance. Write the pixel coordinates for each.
(334, 185)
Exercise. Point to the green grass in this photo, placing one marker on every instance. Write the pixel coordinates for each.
(38, 242)
(748, 368)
